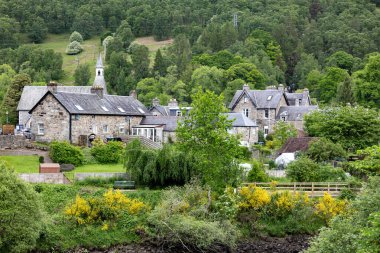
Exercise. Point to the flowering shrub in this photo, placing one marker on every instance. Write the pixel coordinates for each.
(109, 207)
(253, 197)
(328, 207)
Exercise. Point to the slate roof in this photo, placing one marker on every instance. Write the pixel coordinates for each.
(240, 120)
(260, 98)
(99, 63)
(92, 104)
(166, 110)
(169, 122)
(32, 94)
(294, 113)
(296, 144)
(292, 97)
(162, 109)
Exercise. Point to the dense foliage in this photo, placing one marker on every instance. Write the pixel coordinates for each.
(324, 150)
(110, 152)
(356, 231)
(21, 213)
(204, 132)
(354, 127)
(64, 152)
(164, 167)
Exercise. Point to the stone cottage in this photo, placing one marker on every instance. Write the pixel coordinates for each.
(266, 107)
(74, 116)
(32, 94)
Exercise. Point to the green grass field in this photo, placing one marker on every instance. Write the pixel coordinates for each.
(90, 168)
(22, 164)
(59, 42)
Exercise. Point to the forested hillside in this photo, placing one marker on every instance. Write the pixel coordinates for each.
(218, 44)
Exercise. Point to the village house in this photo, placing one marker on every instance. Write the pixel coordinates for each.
(266, 107)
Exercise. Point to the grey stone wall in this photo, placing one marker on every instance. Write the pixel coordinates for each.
(13, 142)
(248, 134)
(252, 111)
(55, 119)
(49, 178)
(94, 124)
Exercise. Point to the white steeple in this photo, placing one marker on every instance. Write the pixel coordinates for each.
(99, 75)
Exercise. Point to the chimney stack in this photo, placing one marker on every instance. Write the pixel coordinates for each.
(281, 87)
(173, 103)
(305, 97)
(246, 87)
(52, 86)
(155, 102)
(98, 90)
(133, 94)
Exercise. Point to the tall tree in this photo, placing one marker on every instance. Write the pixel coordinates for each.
(345, 94)
(181, 52)
(140, 61)
(204, 132)
(12, 98)
(82, 75)
(160, 64)
(37, 30)
(124, 32)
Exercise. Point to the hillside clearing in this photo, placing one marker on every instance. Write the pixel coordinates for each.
(153, 45)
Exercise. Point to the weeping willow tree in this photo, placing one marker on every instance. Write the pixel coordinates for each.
(165, 167)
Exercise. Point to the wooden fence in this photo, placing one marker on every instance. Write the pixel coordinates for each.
(313, 189)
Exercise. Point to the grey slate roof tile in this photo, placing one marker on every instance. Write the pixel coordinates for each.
(169, 122)
(295, 113)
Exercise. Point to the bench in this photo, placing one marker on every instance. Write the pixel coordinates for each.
(124, 185)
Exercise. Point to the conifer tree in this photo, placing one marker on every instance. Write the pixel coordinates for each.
(345, 94)
(159, 64)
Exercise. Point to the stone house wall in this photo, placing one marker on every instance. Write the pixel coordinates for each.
(55, 119)
(248, 134)
(95, 124)
(241, 105)
(169, 136)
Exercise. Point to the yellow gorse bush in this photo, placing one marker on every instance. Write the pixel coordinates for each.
(106, 208)
(253, 197)
(285, 201)
(327, 207)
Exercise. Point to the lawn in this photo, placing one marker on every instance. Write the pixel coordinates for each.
(91, 168)
(59, 42)
(22, 164)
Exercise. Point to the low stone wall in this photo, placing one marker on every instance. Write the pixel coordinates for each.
(83, 176)
(48, 178)
(276, 173)
(13, 141)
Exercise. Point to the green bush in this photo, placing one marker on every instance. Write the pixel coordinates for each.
(183, 216)
(257, 173)
(64, 152)
(76, 36)
(21, 217)
(357, 230)
(74, 48)
(108, 153)
(324, 150)
(306, 170)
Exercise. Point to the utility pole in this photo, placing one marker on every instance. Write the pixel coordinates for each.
(235, 20)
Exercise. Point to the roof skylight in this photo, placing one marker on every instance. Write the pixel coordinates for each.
(141, 110)
(79, 107)
(269, 98)
(121, 109)
(105, 108)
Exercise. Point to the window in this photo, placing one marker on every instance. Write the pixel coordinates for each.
(245, 99)
(94, 129)
(266, 113)
(105, 128)
(246, 112)
(79, 107)
(266, 130)
(121, 129)
(98, 72)
(178, 113)
(269, 97)
(76, 117)
(104, 108)
(121, 109)
(300, 101)
(41, 129)
(283, 118)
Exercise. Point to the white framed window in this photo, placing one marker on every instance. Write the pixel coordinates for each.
(266, 130)
(40, 129)
(283, 118)
(105, 128)
(178, 113)
(246, 112)
(121, 129)
(245, 99)
(266, 113)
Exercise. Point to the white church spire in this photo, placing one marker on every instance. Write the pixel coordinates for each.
(99, 75)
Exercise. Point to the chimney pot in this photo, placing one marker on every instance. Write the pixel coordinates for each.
(98, 90)
(155, 102)
(246, 87)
